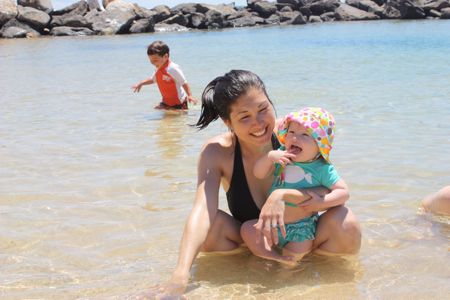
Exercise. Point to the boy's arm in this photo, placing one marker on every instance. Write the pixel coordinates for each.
(137, 86)
(190, 98)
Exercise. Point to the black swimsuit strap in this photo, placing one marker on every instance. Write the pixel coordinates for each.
(240, 200)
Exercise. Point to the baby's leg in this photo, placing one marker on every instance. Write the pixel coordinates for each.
(298, 249)
(257, 243)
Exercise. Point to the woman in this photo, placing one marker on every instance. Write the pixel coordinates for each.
(240, 99)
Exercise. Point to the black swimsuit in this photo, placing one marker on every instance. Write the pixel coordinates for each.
(240, 200)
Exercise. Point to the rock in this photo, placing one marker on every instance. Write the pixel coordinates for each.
(8, 11)
(404, 9)
(93, 5)
(436, 5)
(346, 12)
(366, 5)
(13, 32)
(36, 18)
(177, 19)
(117, 18)
(78, 8)
(445, 13)
(299, 20)
(265, 9)
(30, 32)
(288, 17)
(70, 31)
(315, 19)
(142, 25)
(43, 5)
(273, 19)
(328, 16)
(70, 20)
(322, 6)
(434, 13)
(161, 27)
(186, 8)
(197, 20)
(244, 21)
(162, 13)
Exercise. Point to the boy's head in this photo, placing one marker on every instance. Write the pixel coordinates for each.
(158, 53)
(315, 122)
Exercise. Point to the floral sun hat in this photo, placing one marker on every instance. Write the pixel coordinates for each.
(318, 122)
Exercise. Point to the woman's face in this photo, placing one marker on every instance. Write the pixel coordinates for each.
(252, 118)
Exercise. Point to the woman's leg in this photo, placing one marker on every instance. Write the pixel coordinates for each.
(223, 235)
(338, 232)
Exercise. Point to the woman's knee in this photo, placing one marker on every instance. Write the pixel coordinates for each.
(339, 230)
(223, 235)
(247, 229)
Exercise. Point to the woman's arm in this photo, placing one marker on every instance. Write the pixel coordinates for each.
(319, 201)
(200, 219)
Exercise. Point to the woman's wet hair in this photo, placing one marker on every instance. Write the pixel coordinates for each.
(223, 92)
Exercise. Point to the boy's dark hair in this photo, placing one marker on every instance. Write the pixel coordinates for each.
(159, 48)
(223, 91)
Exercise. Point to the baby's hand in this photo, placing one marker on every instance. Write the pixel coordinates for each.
(281, 157)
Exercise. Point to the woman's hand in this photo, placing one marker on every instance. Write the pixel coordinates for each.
(170, 290)
(272, 217)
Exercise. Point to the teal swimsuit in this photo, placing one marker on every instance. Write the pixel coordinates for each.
(299, 176)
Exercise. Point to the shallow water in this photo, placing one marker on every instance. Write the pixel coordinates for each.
(95, 185)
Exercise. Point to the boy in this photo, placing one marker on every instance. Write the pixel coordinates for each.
(172, 84)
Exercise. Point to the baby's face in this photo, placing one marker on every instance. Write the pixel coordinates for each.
(300, 143)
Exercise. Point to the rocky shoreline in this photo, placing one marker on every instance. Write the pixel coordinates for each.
(34, 18)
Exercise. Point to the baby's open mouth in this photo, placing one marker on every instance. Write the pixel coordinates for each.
(295, 149)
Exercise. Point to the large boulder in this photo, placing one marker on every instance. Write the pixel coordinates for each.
(197, 20)
(319, 7)
(366, 5)
(44, 5)
(346, 12)
(70, 20)
(161, 27)
(117, 18)
(34, 17)
(177, 19)
(436, 5)
(16, 29)
(78, 8)
(404, 9)
(265, 9)
(70, 31)
(93, 5)
(185, 8)
(445, 13)
(162, 13)
(8, 11)
(142, 25)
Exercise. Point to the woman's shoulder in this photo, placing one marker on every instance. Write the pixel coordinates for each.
(219, 145)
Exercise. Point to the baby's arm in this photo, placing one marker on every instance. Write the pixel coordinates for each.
(137, 86)
(265, 165)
